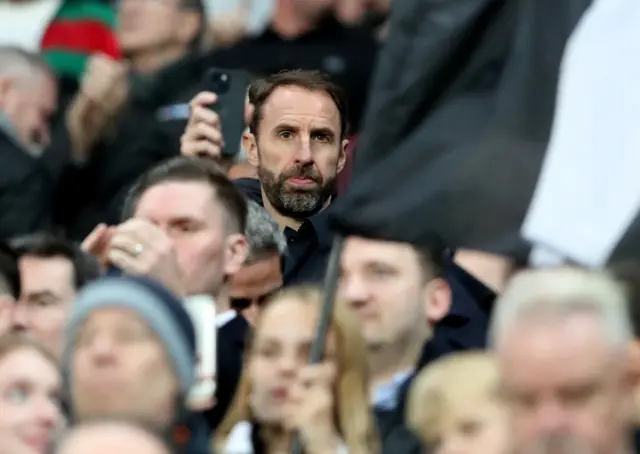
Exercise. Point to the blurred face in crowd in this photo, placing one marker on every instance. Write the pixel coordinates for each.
(476, 427)
(28, 103)
(193, 218)
(394, 298)
(155, 25)
(253, 284)
(120, 367)
(298, 150)
(278, 354)
(109, 438)
(29, 402)
(48, 290)
(567, 387)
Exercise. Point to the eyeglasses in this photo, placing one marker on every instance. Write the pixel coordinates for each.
(239, 304)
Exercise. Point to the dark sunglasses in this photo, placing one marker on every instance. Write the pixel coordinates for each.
(239, 304)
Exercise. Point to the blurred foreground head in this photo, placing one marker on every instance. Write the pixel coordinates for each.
(561, 338)
(112, 436)
(30, 388)
(129, 350)
(454, 406)
(279, 351)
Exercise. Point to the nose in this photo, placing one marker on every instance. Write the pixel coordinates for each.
(287, 365)
(102, 350)
(354, 290)
(48, 413)
(20, 319)
(551, 417)
(303, 153)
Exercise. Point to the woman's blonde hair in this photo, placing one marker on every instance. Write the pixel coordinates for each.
(13, 341)
(353, 416)
(447, 385)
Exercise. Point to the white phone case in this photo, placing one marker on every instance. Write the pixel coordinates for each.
(202, 310)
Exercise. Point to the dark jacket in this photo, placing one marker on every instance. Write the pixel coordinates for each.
(346, 54)
(147, 132)
(25, 190)
(230, 348)
(308, 248)
(192, 436)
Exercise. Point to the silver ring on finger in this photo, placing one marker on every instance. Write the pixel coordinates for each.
(138, 249)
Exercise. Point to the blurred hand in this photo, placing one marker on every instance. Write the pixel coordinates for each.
(229, 28)
(106, 84)
(203, 136)
(97, 243)
(104, 89)
(351, 12)
(310, 409)
(139, 247)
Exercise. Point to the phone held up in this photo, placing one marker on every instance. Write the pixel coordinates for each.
(230, 86)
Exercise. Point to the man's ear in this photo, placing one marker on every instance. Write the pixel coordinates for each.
(236, 253)
(437, 300)
(634, 362)
(342, 157)
(7, 306)
(6, 84)
(251, 147)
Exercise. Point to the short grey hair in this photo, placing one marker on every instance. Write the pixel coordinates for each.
(16, 62)
(558, 293)
(263, 234)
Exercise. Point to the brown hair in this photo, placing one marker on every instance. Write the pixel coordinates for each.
(353, 417)
(261, 90)
(13, 341)
(185, 169)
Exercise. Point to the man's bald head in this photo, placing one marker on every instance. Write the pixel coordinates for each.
(28, 97)
(18, 63)
(108, 437)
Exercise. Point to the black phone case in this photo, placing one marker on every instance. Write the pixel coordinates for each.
(230, 105)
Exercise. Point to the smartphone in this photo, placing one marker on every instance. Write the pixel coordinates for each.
(231, 87)
(202, 310)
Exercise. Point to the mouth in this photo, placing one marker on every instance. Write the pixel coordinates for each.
(38, 443)
(280, 393)
(301, 181)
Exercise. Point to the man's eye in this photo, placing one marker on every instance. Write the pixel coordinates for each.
(17, 394)
(322, 137)
(285, 135)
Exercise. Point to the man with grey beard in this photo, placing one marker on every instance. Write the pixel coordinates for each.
(561, 337)
(297, 144)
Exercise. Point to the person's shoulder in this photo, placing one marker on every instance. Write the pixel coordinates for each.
(250, 187)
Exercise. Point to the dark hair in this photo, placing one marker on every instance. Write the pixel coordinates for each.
(262, 88)
(431, 259)
(9, 272)
(45, 245)
(185, 169)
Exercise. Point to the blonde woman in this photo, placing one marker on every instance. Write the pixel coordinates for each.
(30, 386)
(280, 393)
(453, 406)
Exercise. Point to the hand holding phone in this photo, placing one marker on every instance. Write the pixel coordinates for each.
(218, 116)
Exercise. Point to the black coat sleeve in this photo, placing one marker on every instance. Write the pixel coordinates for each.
(25, 202)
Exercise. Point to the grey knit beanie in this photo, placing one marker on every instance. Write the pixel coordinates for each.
(160, 309)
